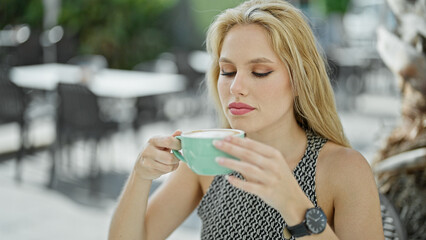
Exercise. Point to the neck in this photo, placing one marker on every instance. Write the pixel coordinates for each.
(289, 139)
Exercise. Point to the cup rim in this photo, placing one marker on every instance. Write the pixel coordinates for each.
(185, 134)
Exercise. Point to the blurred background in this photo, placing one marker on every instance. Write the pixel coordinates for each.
(85, 83)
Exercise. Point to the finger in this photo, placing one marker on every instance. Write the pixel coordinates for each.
(168, 142)
(250, 187)
(158, 166)
(163, 156)
(255, 146)
(177, 133)
(166, 158)
(249, 171)
(242, 153)
(165, 168)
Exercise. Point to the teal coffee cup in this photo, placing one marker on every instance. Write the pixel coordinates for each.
(199, 153)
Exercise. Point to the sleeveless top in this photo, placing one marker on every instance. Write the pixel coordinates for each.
(227, 212)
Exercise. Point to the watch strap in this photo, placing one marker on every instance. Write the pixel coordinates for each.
(299, 230)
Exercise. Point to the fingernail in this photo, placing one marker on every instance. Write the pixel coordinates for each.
(219, 160)
(228, 138)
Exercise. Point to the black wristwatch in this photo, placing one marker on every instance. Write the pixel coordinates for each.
(314, 223)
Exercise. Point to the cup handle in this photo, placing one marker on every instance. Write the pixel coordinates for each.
(178, 154)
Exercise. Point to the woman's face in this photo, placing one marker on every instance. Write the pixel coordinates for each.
(253, 85)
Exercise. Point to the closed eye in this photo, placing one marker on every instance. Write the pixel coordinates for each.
(228, 74)
(256, 74)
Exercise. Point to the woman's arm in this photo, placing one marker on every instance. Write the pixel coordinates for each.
(350, 181)
(352, 185)
(128, 219)
(357, 212)
(134, 217)
(172, 203)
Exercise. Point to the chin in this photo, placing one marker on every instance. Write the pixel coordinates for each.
(243, 124)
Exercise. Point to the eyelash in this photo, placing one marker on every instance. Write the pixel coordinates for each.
(258, 75)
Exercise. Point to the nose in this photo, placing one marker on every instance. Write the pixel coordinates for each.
(239, 86)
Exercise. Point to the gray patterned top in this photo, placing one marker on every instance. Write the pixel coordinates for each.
(227, 212)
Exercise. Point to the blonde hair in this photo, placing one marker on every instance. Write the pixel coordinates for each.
(294, 42)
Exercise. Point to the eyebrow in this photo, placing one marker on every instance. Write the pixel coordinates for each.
(256, 60)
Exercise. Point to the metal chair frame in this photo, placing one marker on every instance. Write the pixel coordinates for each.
(78, 118)
(13, 105)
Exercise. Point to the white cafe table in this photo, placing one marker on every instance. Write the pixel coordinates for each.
(105, 83)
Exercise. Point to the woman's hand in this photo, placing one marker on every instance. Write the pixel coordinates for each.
(156, 159)
(264, 169)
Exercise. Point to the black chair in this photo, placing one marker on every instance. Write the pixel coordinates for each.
(392, 226)
(13, 106)
(150, 108)
(79, 118)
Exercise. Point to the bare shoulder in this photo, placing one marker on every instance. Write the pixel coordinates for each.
(343, 161)
(344, 168)
(347, 178)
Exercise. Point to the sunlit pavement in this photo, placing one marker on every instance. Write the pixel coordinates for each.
(30, 211)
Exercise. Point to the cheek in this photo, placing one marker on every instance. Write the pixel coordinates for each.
(223, 89)
(278, 94)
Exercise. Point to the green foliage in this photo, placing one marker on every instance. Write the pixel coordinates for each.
(14, 12)
(124, 31)
(332, 6)
(206, 10)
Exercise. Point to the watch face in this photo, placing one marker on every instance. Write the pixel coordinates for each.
(316, 221)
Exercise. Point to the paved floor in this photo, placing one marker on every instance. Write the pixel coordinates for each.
(30, 211)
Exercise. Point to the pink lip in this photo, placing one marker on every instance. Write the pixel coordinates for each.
(237, 108)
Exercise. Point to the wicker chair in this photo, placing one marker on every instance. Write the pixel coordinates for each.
(392, 226)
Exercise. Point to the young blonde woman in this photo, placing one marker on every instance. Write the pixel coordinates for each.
(297, 176)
